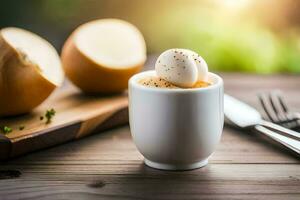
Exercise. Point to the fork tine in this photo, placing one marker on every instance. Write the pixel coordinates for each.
(274, 97)
(264, 103)
(272, 100)
(276, 110)
(283, 103)
(265, 115)
(295, 123)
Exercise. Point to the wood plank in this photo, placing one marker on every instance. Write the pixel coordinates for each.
(140, 182)
(247, 86)
(116, 147)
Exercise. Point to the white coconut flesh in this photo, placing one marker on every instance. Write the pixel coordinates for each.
(111, 43)
(36, 50)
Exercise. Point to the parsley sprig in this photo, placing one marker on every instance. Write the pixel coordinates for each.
(50, 113)
(5, 129)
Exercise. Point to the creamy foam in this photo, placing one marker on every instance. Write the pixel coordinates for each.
(156, 82)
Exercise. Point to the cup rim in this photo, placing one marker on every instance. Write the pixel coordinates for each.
(133, 82)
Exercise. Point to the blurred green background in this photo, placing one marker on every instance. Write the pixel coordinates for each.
(260, 36)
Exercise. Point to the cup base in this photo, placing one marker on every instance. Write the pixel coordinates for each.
(176, 167)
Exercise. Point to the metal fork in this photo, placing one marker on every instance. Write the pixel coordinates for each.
(276, 110)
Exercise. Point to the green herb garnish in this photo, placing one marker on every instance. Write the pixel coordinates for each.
(5, 129)
(49, 115)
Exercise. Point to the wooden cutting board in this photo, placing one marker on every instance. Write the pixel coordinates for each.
(77, 115)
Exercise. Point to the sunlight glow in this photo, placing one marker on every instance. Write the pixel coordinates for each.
(234, 4)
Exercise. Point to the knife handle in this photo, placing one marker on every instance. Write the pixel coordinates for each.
(287, 132)
(290, 143)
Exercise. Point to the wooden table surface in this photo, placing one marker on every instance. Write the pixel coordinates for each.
(108, 166)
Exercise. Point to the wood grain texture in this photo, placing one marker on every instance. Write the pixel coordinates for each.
(77, 115)
(108, 165)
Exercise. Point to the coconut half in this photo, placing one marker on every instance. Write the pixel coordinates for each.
(30, 69)
(101, 55)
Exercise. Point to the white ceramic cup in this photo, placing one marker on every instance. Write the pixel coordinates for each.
(176, 129)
